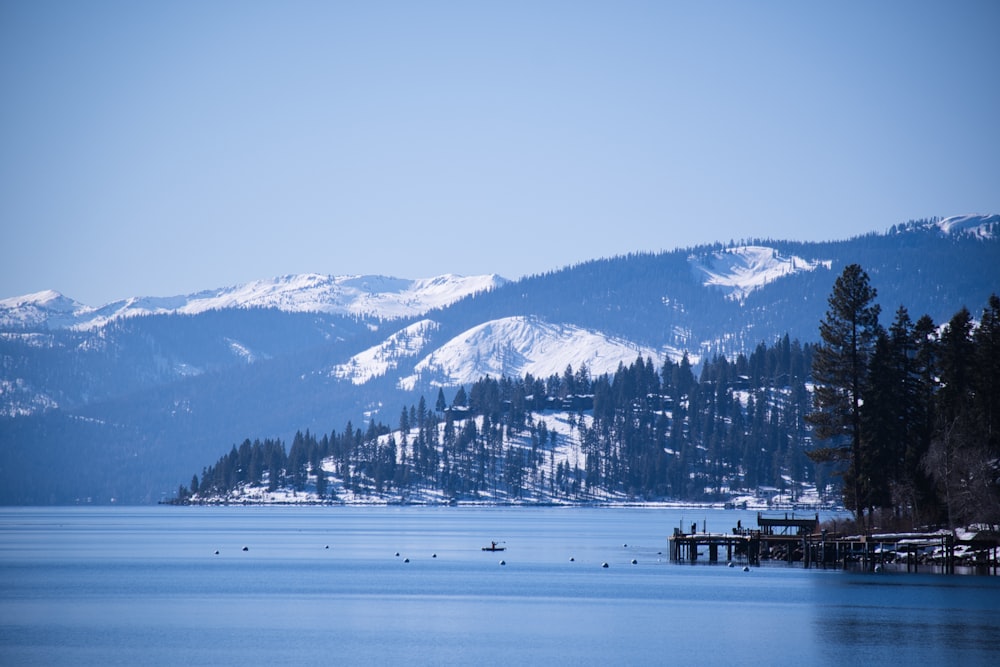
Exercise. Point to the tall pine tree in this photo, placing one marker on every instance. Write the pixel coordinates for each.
(840, 369)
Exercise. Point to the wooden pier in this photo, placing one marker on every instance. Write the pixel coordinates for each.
(799, 540)
(684, 547)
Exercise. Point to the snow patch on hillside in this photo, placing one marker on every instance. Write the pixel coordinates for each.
(380, 359)
(974, 225)
(244, 352)
(514, 346)
(19, 399)
(741, 270)
(980, 226)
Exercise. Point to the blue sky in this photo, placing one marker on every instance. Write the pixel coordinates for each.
(160, 148)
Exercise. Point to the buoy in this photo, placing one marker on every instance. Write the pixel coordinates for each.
(878, 568)
(625, 546)
(503, 562)
(731, 564)
(434, 556)
(746, 568)
(635, 562)
(327, 546)
(246, 548)
(406, 560)
(604, 564)
(571, 559)
(216, 552)
(397, 554)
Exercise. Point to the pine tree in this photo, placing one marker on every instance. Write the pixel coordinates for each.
(840, 370)
(926, 502)
(883, 428)
(959, 458)
(986, 410)
(987, 373)
(321, 481)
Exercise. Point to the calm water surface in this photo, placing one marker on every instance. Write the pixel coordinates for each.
(89, 586)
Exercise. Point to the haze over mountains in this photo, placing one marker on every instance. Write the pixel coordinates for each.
(121, 401)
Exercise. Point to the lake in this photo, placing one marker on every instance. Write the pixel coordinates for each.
(144, 585)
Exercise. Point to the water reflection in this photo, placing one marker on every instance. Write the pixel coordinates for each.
(145, 586)
(900, 617)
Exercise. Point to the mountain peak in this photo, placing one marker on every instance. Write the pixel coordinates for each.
(513, 346)
(44, 299)
(43, 308)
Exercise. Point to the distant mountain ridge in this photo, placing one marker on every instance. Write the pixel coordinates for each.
(116, 401)
(738, 270)
(380, 297)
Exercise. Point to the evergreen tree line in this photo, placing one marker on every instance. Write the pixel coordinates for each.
(653, 432)
(909, 415)
(904, 419)
(250, 463)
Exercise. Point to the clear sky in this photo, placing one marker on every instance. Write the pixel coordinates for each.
(161, 148)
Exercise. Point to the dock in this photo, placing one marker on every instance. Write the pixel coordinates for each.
(800, 540)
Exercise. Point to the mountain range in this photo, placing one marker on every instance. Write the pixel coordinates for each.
(119, 402)
(376, 297)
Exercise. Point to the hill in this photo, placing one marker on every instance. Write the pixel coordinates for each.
(119, 402)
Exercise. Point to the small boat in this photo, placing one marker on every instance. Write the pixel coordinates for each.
(494, 547)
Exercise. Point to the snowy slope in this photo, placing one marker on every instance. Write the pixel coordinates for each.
(982, 226)
(18, 398)
(380, 359)
(741, 270)
(375, 296)
(36, 309)
(974, 225)
(514, 346)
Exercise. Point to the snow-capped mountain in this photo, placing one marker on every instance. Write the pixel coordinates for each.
(48, 308)
(514, 346)
(739, 271)
(377, 297)
(158, 395)
(510, 346)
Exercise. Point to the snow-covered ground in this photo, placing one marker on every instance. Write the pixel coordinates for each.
(19, 398)
(981, 226)
(379, 360)
(514, 346)
(564, 449)
(741, 270)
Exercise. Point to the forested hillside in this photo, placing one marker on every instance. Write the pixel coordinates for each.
(646, 432)
(115, 404)
(903, 419)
